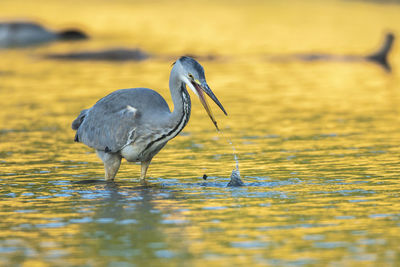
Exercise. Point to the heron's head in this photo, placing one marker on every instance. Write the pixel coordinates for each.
(192, 74)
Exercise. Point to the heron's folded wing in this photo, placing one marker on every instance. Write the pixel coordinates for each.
(109, 129)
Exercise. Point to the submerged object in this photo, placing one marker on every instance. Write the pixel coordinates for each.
(136, 124)
(235, 179)
(379, 57)
(115, 54)
(22, 34)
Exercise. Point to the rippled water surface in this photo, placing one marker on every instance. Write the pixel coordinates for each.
(317, 142)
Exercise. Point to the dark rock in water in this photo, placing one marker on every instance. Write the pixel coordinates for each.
(72, 35)
(15, 34)
(235, 179)
(205, 177)
(116, 54)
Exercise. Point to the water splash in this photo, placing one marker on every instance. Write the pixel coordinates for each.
(235, 175)
(235, 179)
(235, 156)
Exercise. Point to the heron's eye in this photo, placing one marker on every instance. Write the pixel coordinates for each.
(191, 76)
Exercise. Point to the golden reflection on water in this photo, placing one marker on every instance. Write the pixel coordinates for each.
(317, 141)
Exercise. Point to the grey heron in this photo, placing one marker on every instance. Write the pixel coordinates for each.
(135, 124)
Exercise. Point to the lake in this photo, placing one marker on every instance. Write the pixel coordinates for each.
(317, 141)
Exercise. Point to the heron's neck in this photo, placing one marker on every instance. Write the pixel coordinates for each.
(180, 116)
(182, 104)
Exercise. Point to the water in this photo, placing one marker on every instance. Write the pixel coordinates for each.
(235, 157)
(234, 153)
(235, 175)
(318, 142)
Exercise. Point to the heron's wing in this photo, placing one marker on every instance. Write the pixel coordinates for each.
(109, 130)
(78, 121)
(115, 120)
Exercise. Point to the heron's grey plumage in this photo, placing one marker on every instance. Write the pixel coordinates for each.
(137, 123)
(114, 118)
(190, 63)
(78, 121)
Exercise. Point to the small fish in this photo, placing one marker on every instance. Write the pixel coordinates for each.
(235, 179)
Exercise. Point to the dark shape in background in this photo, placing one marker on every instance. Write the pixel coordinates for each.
(115, 54)
(120, 54)
(379, 57)
(24, 34)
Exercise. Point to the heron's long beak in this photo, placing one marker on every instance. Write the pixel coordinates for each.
(200, 88)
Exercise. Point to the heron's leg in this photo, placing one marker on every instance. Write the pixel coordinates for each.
(145, 166)
(111, 161)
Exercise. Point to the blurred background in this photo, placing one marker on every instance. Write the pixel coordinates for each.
(313, 118)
